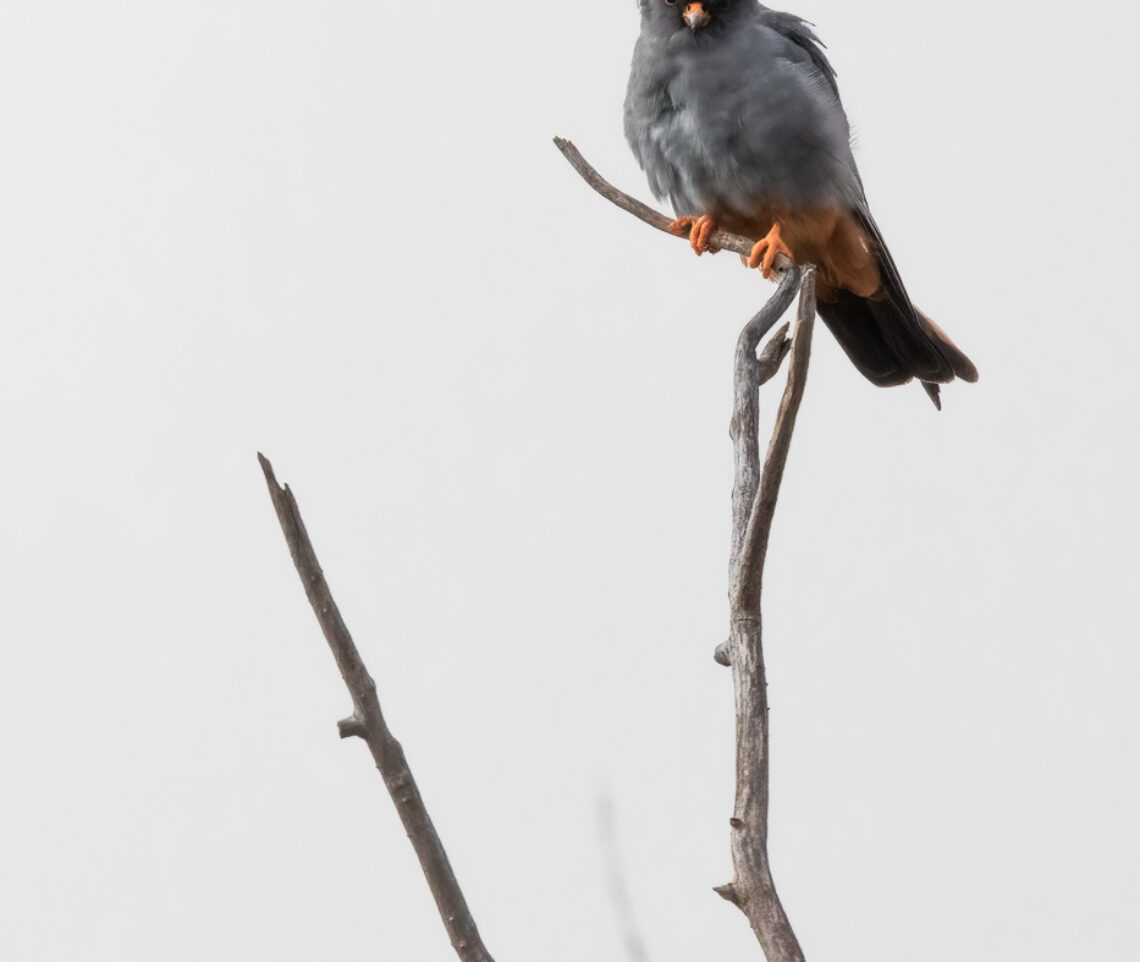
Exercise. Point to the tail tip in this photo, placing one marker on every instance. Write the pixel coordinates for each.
(933, 392)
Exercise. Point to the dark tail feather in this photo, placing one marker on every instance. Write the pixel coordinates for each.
(963, 366)
(887, 338)
(933, 392)
(891, 342)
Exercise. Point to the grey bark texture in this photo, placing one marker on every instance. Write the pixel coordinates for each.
(367, 722)
(756, 487)
(753, 507)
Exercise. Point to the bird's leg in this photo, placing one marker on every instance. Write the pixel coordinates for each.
(699, 229)
(764, 251)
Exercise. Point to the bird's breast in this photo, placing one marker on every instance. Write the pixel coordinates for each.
(728, 130)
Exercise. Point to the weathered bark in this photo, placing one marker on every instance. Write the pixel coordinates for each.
(367, 722)
(753, 505)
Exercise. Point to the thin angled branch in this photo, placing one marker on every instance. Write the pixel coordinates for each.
(367, 722)
(773, 355)
(718, 240)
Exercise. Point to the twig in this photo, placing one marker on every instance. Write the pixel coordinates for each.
(718, 240)
(367, 722)
(745, 427)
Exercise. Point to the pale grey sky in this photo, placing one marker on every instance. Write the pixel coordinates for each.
(340, 234)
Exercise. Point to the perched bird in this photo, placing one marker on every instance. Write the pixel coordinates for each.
(734, 114)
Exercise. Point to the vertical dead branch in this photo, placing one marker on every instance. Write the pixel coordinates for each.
(753, 506)
(367, 722)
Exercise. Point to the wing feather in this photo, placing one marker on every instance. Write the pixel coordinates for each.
(800, 33)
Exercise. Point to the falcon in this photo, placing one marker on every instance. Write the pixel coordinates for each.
(734, 114)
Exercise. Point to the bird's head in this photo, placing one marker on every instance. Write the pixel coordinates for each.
(695, 17)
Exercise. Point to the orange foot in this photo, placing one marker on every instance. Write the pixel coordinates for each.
(699, 230)
(764, 251)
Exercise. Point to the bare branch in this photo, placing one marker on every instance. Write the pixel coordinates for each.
(750, 566)
(718, 240)
(367, 722)
(753, 505)
(754, 502)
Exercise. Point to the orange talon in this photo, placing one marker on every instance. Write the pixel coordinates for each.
(764, 251)
(699, 229)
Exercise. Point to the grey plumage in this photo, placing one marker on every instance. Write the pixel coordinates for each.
(718, 120)
(741, 119)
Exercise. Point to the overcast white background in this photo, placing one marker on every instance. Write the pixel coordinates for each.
(339, 234)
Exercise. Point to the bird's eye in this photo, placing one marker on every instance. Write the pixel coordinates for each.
(670, 3)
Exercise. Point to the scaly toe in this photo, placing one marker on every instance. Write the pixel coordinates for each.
(701, 232)
(681, 226)
(698, 230)
(757, 255)
(765, 250)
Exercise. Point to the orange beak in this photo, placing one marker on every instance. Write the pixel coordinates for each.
(696, 16)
